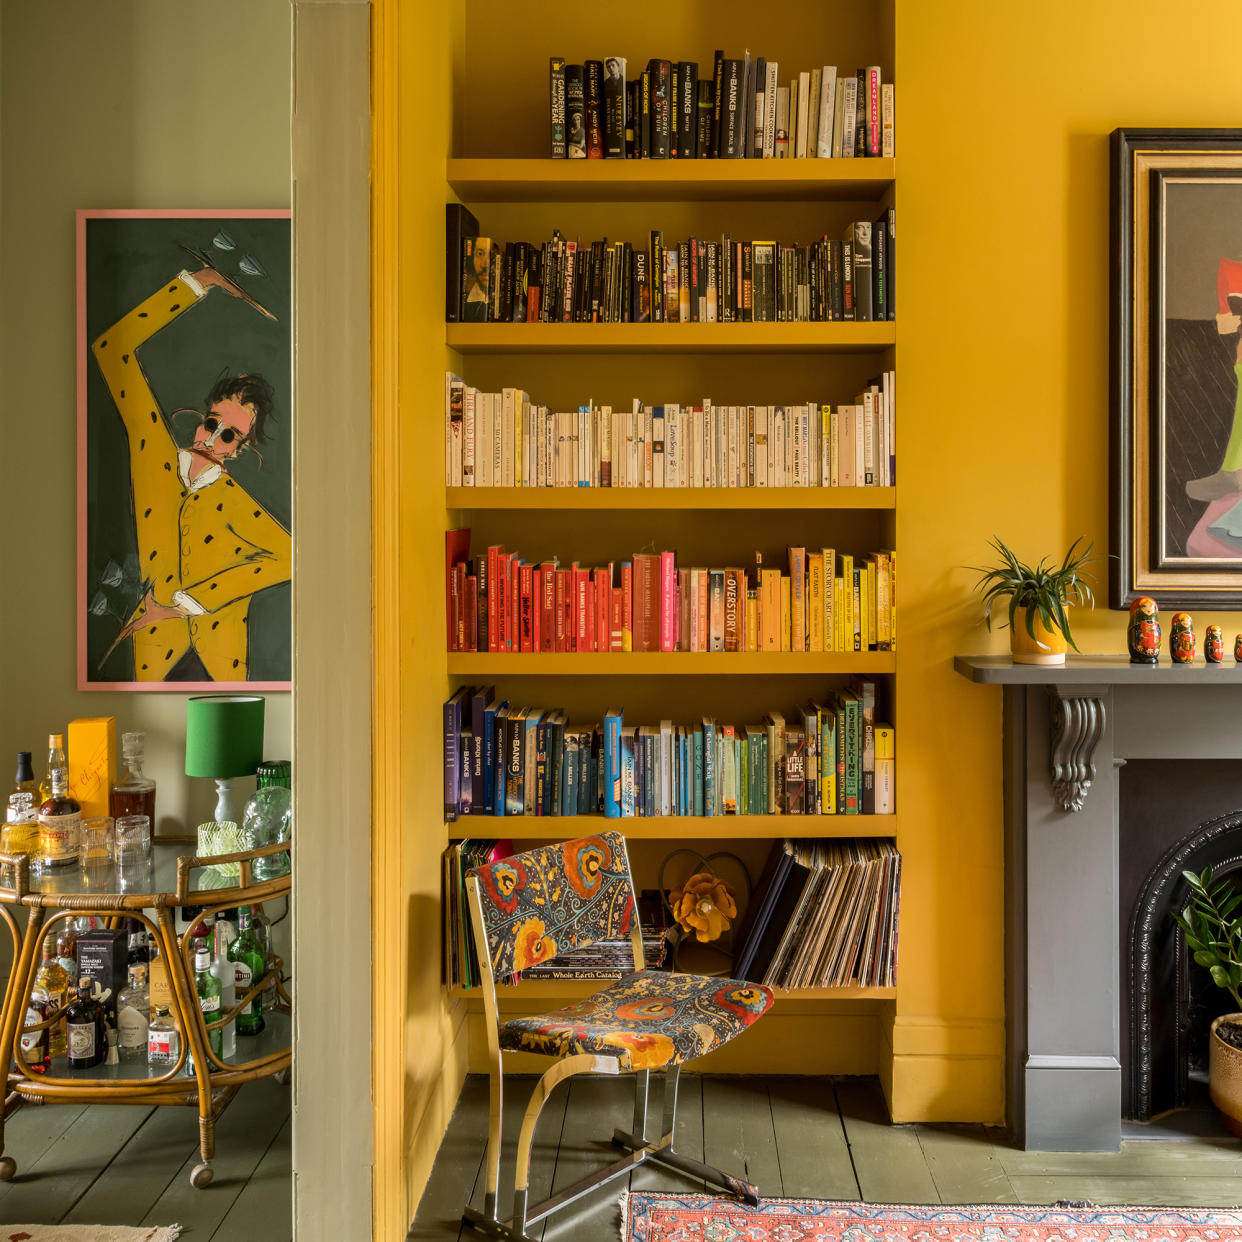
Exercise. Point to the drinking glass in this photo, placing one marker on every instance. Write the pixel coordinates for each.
(95, 849)
(133, 839)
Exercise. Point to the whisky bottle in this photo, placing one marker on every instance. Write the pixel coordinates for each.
(132, 1011)
(85, 1026)
(60, 816)
(139, 946)
(51, 986)
(67, 953)
(55, 759)
(134, 793)
(246, 955)
(21, 825)
(208, 988)
(36, 1044)
(163, 1042)
(24, 781)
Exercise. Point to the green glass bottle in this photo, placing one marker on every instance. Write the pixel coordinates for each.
(246, 954)
(208, 987)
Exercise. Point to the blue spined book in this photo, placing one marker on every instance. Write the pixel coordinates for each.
(612, 762)
(709, 766)
(627, 771)
(452, 751)
(696, 774)
(479, 701)
(493, 750)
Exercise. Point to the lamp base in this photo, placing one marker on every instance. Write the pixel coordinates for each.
(224, 802)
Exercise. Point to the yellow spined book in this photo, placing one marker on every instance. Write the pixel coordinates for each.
(769, 610)
(815, 601)
(797, 599)
(830, 603)
(850, 627)
(785, 611)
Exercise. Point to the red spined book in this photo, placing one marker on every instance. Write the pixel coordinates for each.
(601, 581)
(547, 606)
(470, 599)
(495, 590)
(511, 602)
(526, 604)
(617, 601)
(627, 606)
(683, 610)
(563, 589)
(456, 551)
(646, 596)
(668, 601)
(582, 611)
(567, 603)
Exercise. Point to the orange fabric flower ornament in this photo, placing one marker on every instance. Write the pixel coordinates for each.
(704, 905)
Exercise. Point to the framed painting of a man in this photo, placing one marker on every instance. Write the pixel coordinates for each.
(1176, 364)
(184, 427)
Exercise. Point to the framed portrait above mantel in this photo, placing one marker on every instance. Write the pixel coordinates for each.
(184, 450)
(1176, 363)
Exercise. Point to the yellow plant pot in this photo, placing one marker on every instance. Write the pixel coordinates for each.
(1225, 1076)
(1047, 647)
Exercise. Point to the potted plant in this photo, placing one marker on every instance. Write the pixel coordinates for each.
(1039, 599)
(1212, 925)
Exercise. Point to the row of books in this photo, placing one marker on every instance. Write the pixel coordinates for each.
(599, 109)
(503, 439)
(602, 961)
(831, 758)
(849, 278)
(499, 602)
(823, 915)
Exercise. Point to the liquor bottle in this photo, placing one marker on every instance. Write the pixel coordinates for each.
(67, 953)
(139, 947)
(55, 759)
(24, 781)
(208, 988)
(133, 1008)
(163, 1042)
(263, 933)
(59, 816)
(224, 972)
(51, 986)
(84, 1021)
(246, 954)
(36, 1044)
(21, 825)
(134, 793)
(268, 817)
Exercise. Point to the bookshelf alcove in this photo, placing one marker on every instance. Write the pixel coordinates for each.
(498, 169)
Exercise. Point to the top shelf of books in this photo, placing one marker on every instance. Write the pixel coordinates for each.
(574, 181)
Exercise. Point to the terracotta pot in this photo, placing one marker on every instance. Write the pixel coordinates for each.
(1047, 647)
(1225, 1076)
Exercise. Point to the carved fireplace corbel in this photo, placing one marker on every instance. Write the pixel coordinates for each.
(1076, 718)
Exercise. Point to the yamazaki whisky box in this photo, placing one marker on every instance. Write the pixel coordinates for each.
(103, 956)
(160, 985)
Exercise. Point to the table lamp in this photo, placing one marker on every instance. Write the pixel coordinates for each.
(223, 740)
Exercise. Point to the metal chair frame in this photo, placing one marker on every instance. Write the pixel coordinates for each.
(634, 1141)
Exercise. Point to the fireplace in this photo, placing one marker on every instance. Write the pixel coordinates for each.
(1070, 734)
(1167, 1001)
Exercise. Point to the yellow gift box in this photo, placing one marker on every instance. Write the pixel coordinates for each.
(92, 762)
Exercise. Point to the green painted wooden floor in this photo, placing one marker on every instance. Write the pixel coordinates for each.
(111, 1164)
(800, 1137)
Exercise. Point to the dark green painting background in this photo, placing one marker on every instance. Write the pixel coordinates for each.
(126, 261)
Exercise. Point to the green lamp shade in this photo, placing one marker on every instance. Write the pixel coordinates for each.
(223, 735)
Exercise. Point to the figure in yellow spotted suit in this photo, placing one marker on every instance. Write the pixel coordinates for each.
(204, 543)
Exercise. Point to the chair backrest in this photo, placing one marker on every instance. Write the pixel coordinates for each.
(536, 905)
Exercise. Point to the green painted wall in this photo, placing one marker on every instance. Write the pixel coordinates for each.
(133, 103)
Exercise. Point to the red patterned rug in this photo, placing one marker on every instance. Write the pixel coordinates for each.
(651, 1217)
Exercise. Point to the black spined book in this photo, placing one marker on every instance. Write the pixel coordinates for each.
(614, 108)
(575, 113)
(732, 109)
(687, 109)
(556, 90)
(661, 72)
(459, 224)
(595, 109)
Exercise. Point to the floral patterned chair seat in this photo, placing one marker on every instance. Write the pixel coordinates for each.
(646, 1020)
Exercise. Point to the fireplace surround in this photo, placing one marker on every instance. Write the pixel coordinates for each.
(1068, 732)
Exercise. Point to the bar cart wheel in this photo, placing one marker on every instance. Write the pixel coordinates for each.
(202, 1175)
(8, 1167)
(282, 1077)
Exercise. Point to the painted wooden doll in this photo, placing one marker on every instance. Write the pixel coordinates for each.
(1213, 645)
(1143, 632)
(1182, 638)
(1237, 648)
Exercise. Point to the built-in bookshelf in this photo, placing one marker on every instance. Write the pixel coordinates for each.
(526, 196)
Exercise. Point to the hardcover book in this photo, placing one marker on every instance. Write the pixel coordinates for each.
(614, 108)
(594, 87)
(556, 91)
(575, 112)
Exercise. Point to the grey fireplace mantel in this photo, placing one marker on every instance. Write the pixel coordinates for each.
(1068, 731)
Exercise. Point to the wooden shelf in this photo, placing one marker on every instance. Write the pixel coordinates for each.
(665, 663)
(672, 827)
(569, 181)
(656, 498)
(670, 338)
(538, 991)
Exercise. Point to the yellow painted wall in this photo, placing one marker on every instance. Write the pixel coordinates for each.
(1003, 117)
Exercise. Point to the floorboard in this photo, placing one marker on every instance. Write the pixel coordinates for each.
(1143, 1191)
(33, 1128)
(964, 1165)
(457, 1167)
(263, 1212)
(810, 1141)
(738, 1137)
(687, 1136)
(888, 1160)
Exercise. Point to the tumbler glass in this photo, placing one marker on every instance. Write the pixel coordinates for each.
(95, 849)
(133, 839)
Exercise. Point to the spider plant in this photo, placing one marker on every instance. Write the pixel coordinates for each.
(1045, 590)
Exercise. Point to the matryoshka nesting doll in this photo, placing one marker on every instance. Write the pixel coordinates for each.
(1213, 645)
(1143, 632)
(1182, 638)
(1237, 648)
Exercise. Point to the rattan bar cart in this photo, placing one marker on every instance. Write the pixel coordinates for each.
(153, 899)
